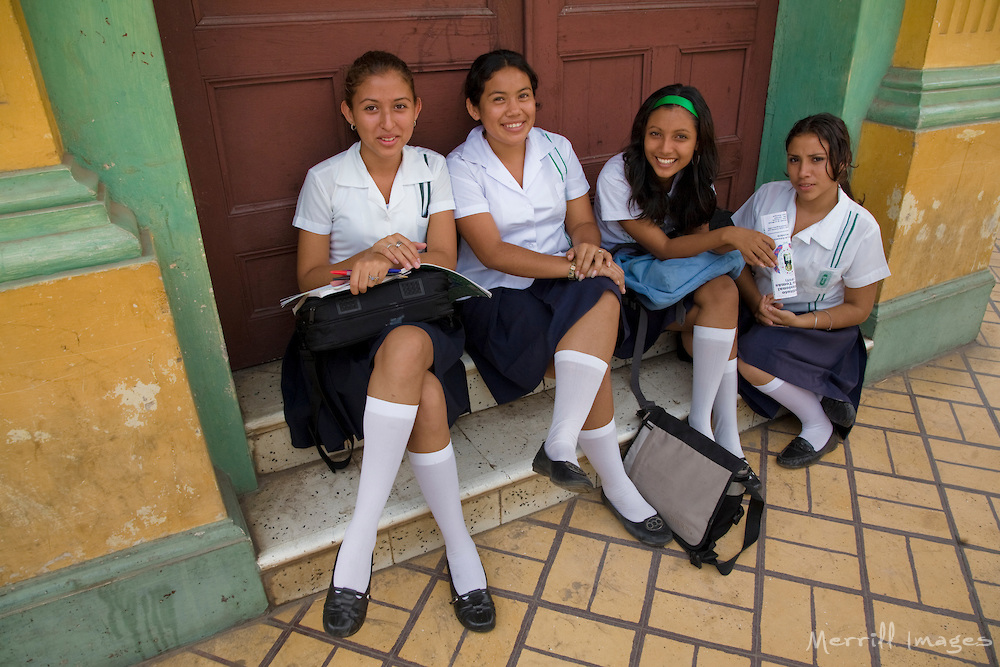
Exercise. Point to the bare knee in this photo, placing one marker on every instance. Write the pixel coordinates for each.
(718, 292)
(405, 351)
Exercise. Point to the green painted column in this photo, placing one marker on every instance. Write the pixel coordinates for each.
(106, 78)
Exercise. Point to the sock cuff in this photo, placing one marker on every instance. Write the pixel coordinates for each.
(713, 333)
(771, 386)
(600, 431)
(582, 358)
(389, 409)
(432, 458)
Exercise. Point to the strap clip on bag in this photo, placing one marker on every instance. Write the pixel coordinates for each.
(342, 319)
(688, 478)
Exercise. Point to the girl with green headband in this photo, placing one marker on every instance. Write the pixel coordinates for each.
(657, 210)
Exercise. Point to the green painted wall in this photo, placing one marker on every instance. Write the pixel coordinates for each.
(106, 78)
(828, 56)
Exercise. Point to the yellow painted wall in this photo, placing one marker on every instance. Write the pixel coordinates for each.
(100, 445)
(28, 134)
(936, 194)
(952, 33)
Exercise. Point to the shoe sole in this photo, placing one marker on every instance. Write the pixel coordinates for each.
(575, 487)
(823, 452)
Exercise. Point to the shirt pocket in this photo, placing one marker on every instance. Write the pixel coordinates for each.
(822, 281)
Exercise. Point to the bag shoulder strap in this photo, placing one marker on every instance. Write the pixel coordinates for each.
(640, 338)
(319, 396)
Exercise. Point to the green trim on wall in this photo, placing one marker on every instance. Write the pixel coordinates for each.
(922, 325)
(104, 72)
(45, 187)
(828, 56)
(134, 604)
(925, 99)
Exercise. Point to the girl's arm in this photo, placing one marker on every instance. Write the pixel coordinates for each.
(757, 248)
(313, 260)
(586, 253)
(857, 306)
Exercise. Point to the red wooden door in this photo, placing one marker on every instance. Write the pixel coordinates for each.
(257, 86)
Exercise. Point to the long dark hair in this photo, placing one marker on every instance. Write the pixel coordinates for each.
(371, 63)
(694, 199)
(488, 64)
(832, 133)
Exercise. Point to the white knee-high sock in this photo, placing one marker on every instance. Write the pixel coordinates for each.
(727, 431)
(387, 428)
(816, 426)
(578, 378)
(437, 476)
(710, 349)
(601, 448)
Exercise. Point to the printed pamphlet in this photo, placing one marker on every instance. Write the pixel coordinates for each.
(776, 226)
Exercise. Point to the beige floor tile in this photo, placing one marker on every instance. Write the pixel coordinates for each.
(953, 361)
(966, 454)
(710, 657)
(348, 658)
(970, 478)
(301, 649)
(786, 620)
(287, 612)
(786, 488)
(870, 450)
(939, 575)
(989, 334)
(574, 572)
(899, 421)
(938, 418)
(435, 636)
(891, 383)
(975, 519)
(380, 631)
(984, 566)
(933, 372)
(400, 587)
(677, 575)
(909, 456)
(493, 647)
(249, 643)
(948, 392)
(984, 367)
(594, 517)
(182, 659)
(703, 621)
(901, 656)
(977, 426)
(899, 490)
(659, 651)
(580, 639)
(520, 538)
(510, 573)
(916, 631)
(841, 615)
(811, 531)
(887, 558)
(622, 584)
(529, 658)
(805, 562)
(979, 351)
(989, 599)
(990, 385)
(887, 400)
(889, 514)
(829, 490)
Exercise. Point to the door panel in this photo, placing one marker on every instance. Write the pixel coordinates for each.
(257, 86)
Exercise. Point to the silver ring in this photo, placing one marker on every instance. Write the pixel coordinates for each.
(399, 243)
(373, 278)
(388, 245)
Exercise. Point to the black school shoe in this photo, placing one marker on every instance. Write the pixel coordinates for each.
(475, 610)
(840, 413)
(345, 610)
(799, 453)
(748, 478)
(653, 531)
(562, 473)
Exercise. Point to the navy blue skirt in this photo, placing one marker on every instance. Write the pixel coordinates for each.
(513, 336)
(656, 323)
(346, 372)
(828, 363)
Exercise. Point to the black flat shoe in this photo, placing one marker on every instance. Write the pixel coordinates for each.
(748, 478)
(799, 453)
(840, 413)
(344, 611)
(475, 609)
(562, 473)
(653, 531)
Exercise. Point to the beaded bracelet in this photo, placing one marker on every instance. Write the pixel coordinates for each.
(572, 271)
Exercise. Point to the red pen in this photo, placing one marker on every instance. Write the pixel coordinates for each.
(339, 272)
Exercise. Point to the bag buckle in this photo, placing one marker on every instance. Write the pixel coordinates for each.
(738, 515)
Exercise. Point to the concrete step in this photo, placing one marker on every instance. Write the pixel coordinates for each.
(298, 516)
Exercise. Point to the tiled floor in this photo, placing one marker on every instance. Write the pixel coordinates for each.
(887, 552)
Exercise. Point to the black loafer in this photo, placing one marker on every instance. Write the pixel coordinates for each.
(748, 478)
(475, 609)
(344, 611)
(653, 531)
(840, 413)
(799, 453)
(562, 473)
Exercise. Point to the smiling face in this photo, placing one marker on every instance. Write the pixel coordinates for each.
(810, 171)
(384, 111)
(506, 108)
(670, 142)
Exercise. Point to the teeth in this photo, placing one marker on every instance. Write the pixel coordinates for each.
(666, 162)
(514, 126)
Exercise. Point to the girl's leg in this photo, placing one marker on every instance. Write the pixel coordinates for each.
(390, 412)
(804, 404)
(433, 459)
(713, 335)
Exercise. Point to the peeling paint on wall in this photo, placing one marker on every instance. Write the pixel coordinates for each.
(892, 203)
(141, 399)
(969, 134)
(992, 222)
(909, 212)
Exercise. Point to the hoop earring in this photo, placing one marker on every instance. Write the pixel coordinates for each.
(354, 127)
(414, 123)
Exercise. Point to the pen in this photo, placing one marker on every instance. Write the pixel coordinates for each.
(337, 272)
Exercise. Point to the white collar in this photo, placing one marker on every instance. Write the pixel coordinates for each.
(411, 170)
(826, 232)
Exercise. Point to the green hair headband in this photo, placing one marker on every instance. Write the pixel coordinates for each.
(678, 100)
